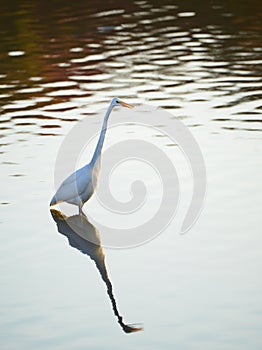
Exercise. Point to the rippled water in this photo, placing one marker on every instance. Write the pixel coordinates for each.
(62, 61)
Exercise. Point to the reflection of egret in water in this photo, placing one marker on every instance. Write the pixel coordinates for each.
(83, 236)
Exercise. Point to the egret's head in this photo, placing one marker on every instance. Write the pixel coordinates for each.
(117, 102)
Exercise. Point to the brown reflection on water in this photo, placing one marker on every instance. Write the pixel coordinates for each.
(59, 58)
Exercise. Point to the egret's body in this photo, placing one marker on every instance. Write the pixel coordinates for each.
(78, 187)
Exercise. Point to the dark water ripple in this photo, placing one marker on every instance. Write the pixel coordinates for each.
(175, 56)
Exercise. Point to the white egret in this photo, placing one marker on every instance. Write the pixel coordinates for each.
(78, 187)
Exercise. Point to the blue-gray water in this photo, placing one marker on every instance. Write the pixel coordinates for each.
(62, 61)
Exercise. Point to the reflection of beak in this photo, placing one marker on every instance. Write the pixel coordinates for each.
(126, 104)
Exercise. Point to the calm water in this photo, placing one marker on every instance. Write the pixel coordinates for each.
(62, 61)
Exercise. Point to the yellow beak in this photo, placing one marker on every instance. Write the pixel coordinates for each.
(126, 104)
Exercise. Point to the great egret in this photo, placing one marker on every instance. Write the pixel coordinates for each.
(78, 187)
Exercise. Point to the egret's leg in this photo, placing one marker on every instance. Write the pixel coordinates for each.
(80, 209)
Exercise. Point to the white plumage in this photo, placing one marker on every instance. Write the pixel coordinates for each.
(78, 187)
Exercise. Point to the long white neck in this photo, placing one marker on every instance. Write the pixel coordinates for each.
(100, 142)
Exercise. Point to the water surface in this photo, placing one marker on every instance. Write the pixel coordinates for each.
(63, 61)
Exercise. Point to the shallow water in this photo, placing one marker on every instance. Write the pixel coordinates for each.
(64, 61)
